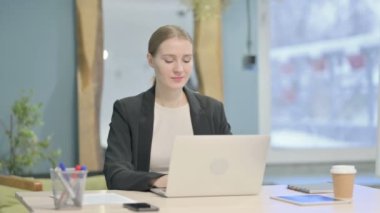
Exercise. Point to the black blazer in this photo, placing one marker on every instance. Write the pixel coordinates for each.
(127, 157)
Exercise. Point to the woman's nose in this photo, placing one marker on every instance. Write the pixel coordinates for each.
(178, 67)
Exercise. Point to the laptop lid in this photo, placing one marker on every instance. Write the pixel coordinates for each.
(217, 165)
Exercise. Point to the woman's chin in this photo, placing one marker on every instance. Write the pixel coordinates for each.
(174, 85)
(179, 85)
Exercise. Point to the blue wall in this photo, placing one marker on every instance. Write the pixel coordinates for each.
(37, 51)
(240, 85)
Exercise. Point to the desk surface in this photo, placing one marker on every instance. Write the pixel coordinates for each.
(365, 199)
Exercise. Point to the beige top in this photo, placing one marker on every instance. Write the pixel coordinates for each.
(168, 123)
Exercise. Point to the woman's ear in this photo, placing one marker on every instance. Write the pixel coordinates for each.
(149, 57)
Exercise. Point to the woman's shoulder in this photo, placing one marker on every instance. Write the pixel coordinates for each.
(133, 101)
(204, 100)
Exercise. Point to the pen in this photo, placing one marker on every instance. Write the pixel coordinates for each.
(74, 175)
(67, 192)
(79, 171)
(65, 183)
(62, 166)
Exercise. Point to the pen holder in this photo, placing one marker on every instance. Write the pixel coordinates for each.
(68, 187)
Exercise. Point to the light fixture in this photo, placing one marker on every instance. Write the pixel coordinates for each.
(105, 54)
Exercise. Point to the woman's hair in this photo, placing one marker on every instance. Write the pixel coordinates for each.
(164, 33)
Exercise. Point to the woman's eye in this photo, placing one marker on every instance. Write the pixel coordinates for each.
(168, 61)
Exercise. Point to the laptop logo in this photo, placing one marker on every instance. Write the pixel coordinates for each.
(219, 166)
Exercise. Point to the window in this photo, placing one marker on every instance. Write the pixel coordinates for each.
(324, 74)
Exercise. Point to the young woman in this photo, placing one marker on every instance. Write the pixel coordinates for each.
(143, 127)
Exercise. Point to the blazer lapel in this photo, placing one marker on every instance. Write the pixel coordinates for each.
(198, 117)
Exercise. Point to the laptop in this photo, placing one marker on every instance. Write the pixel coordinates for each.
(216, 165)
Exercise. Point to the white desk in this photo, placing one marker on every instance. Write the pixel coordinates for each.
(365, 200)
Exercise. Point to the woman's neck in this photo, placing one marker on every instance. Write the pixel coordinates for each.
(170, 98)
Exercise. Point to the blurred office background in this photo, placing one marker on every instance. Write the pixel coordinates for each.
(313, 85)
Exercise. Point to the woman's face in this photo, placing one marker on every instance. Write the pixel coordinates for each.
(173, 63)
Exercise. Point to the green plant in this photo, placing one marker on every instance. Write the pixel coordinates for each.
(25, 148)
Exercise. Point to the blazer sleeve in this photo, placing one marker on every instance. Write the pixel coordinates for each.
(119, 169)
(221, 120)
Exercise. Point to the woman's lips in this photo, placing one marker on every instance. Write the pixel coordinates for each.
(177, 78)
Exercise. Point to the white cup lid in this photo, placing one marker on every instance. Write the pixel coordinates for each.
(343, 169)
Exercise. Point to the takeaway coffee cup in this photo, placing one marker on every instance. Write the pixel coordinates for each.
(343, 181)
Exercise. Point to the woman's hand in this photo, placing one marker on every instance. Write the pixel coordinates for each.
(160, 182)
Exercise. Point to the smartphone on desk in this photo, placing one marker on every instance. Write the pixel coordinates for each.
(140, 207)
